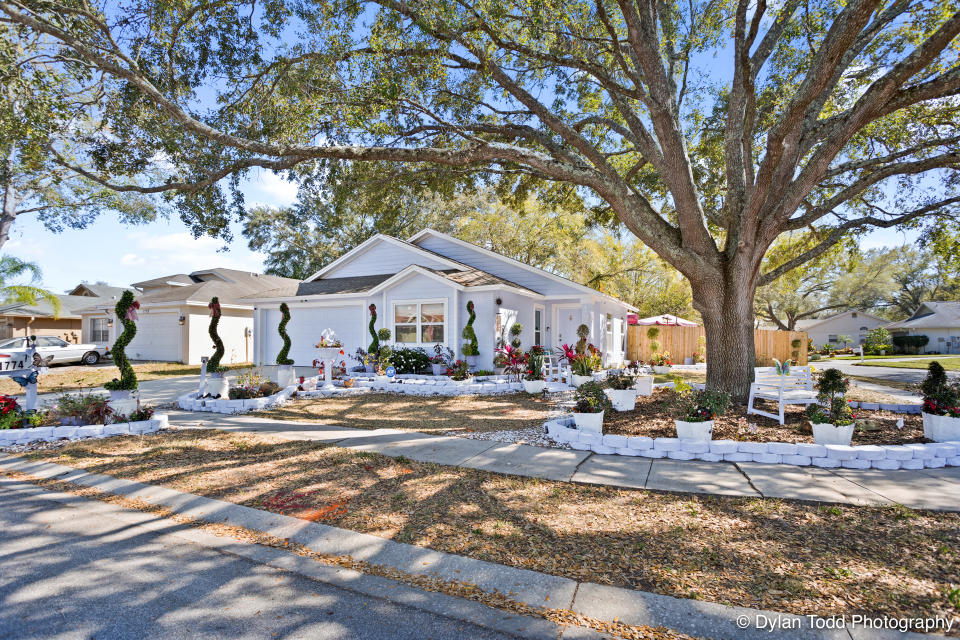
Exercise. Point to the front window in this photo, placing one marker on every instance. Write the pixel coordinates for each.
(831, 338)
(538, 326)
(99, 332)
(419, 322)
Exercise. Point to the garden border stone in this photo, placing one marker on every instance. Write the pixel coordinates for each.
(10, 437)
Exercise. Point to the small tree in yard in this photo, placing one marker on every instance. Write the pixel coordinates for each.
(835, 119)
(126, 311)
(877, 340)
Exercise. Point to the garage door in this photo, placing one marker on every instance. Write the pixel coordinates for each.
(158, 338)
(305, 327)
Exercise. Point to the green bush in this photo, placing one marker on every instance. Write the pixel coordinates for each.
(832, 388)
(472, 347)
(128, 377)
(284, 356)
(410, 360)
(590, 398)
(876, 341)
(375, 343)
(213, 366)
(700, 406)
(910, 344)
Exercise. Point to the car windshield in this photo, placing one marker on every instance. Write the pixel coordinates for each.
(12, 343)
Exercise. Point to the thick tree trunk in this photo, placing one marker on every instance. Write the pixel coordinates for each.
(8, 199)
(726, 305)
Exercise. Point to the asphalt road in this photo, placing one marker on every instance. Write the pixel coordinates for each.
(85, 572)
(879, 373)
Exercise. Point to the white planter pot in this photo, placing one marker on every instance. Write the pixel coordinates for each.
(589, 421)
(694, 430)
(438, 369)
(687, 361)
(661, 370)
(579, 380)
(826, 433)
(285, 375)
(623, 399)
(122, 403)
(331, 353)
(941, 428)
(218, 385)
(534, 386)
(644, 385)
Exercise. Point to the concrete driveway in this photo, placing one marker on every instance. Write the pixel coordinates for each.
(153, 392)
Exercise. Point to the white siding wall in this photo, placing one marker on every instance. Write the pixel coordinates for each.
(942, 340)
(157, 338)
(417, 288)
(498, 267)
(844, 324)
(237, 347)
(306, 325)
(384, 257)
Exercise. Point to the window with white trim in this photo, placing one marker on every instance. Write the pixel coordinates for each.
(538, 326)
(419, 322)
(99, 331)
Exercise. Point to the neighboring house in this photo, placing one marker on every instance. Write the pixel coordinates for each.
(18, 319)
(174, 317)
(939, 321)
(854, 324)
(421, 289)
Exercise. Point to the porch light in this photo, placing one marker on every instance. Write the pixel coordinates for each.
(110, 323)
(182, 320)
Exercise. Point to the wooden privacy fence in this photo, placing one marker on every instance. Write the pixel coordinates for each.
(683, 342)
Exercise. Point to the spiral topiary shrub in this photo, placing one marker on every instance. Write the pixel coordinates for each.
(213, 366)
(472, 348)
(283, 356)
(375, 343)
(126, 311)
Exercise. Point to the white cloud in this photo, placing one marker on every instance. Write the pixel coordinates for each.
(170, 253)
(270, 188)
(132, 260)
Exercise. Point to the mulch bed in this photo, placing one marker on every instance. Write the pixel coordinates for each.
(770, 554)
(654, 417)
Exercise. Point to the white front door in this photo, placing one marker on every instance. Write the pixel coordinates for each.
(568, 319)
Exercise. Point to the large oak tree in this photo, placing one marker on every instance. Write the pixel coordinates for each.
(707, 127)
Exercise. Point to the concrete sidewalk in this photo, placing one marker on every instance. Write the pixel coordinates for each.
(694, 617)
(937, 489)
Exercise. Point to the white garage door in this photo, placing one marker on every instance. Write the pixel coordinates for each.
(305, 327)
(158, 338)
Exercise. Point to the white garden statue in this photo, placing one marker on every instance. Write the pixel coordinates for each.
(331, 350)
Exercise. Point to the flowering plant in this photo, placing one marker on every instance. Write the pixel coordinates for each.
(535, 363)
(939, 396)
(591, 399)
(441, 355)
(9, 413)
(515, 360)
(661, 359)
(459, 370)
(700, 406)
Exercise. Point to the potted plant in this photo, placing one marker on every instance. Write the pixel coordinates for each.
(583, 332)
(534, 381)
(364, 359)
(471, 348)
(580, 368)
(459, 371)
(120, 390)
(441, 359)
(941, 405)
(660, 362)
(285, 375)
(622, 393)
(831, 418)
(697, 410)
(591, 403)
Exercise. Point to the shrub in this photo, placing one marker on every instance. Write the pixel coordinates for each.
(472, 347)
(375, 343)
(126, 311)
(515, 330)
(621, 381)
(283, 356)
(939, 396)
(580, 365)
(10, 414)
(590, 398)
(832, 388)
(583, 332)
(459, 370)
(410, 360)
(142, 412)
(652, 334)
(384, 334)
(877, 340)
(213, 366)
(814, 357)
(910, 344)
(535, 364)
(700, 406)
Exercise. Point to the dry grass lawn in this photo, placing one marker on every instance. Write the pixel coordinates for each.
(769, 554)
(72, 378)
(433, 414)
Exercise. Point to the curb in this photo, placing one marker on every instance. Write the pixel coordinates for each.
(697, 618)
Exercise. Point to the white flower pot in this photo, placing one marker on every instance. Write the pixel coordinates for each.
(218, 385)
(589, 421)
(438, 369)
(941, 428)
(826, 433)
(285, 375)
(122, 403)
(623, 399)
(579, 380)
(661, 370)
(534, 386)
(694, 430)
(687, 362)
(644, 385)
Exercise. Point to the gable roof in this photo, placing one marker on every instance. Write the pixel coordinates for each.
(931, 315)
(808, 323)
(97, 291)
(69, 307)
(371, 242)
(417, 237)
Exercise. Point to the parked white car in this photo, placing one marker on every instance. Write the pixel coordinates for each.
(13, 352)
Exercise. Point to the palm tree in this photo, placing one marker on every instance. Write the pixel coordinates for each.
(12, 268)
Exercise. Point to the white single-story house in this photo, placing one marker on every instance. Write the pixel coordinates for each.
(421, 288)
(853, 324)
(174, 318)
(939, 321)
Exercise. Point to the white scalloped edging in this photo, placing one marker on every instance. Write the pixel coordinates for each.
(190, 402)
(830, 456)
(51, 434)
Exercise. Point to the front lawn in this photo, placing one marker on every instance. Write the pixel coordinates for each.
(429, 414)
(72, 378)
(770, 554)
(950, 363)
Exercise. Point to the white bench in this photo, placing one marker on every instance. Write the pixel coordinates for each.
(795, 387)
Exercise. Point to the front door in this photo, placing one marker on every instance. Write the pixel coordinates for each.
(568, 319)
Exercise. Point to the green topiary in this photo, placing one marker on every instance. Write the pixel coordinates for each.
(283, 356)
(515, 330)
(375, 344)
(213, 366)
(472, 348)
(583, 332)
(126, 314)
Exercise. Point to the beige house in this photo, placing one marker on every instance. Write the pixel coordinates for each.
(174, 317)
(20, 320)
(939, 321)
(828, 331)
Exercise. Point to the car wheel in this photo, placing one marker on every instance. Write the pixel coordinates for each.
(91, 357)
